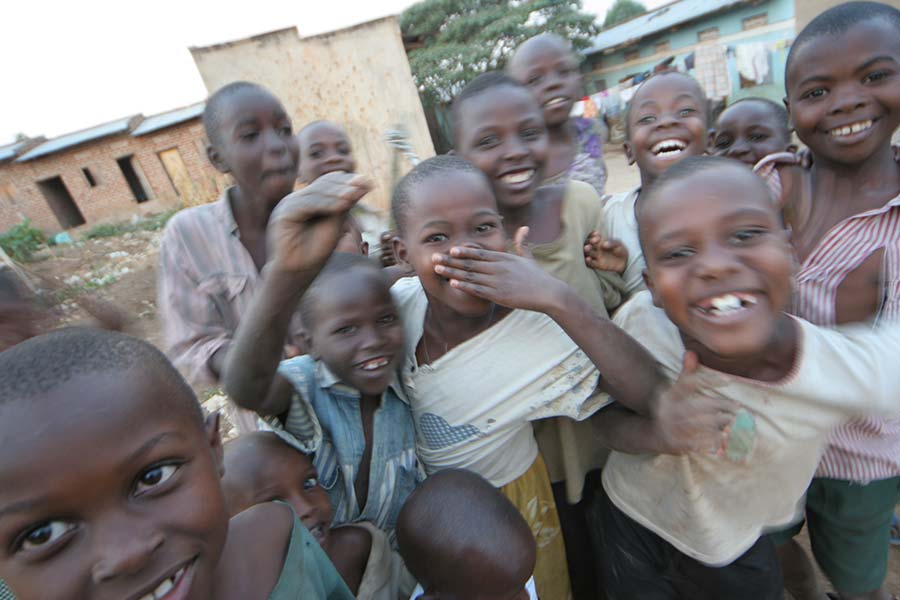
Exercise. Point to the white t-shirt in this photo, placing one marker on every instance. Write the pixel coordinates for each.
(532, 592)
(619, 222)
(714, 508)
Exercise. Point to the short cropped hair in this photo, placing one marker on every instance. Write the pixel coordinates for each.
(340, 262)
(212, 113)
(455, 523)
(837, 20)
(425, 170)
(41, 364)
(667, 73)
(476, 87)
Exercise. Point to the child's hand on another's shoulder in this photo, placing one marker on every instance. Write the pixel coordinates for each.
(605, 255)
(687, 420)
(306, 225)
(511, 280)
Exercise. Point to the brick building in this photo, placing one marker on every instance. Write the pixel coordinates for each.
(110, 172)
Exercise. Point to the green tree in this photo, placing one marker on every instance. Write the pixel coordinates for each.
(455, 40)
(621, 11)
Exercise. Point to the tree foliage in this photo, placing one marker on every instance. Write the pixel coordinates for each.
(621, 11)
(460, 39)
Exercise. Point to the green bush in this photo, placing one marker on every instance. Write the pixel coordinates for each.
(150, 223)
(22, 241)
(106, 230)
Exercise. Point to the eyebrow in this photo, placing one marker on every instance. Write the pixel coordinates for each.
(147, 446)
(877, 59)
(23, 505)
(739, 214)
(436, 223)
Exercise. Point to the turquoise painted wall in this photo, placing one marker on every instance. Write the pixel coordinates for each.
(681, 43)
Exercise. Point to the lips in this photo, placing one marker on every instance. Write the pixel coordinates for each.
(728, 304)
(173, 587)
(845, 131)
(555, 102)
(319, 532)
(668, 148)
(374, 364)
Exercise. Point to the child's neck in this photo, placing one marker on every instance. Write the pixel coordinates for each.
(542, 215)
(562, 134)
(448, 328)
(772, 364)
(859, 187)
(250, 213)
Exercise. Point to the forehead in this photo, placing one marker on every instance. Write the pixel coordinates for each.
(499, 103)
(543, 48)
(835, 55)
(355, 287)
(321, 132)
(249, 103)
(746, 114)
(666, 88)
(450, 196)
(263, 461)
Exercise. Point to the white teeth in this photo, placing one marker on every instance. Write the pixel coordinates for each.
(518, 176)
(554, 101)
(727, 303)
(850, 129)
(375, 363)
(668, 147)
(163, 588)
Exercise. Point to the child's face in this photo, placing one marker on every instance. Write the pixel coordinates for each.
(270, 470)
(667, 124)
(748, 132)
(324, 148)
(502, 132)
(109, 490)
(257, 145)
(351, 241)
(549, 69)
(718, 261)
(456, 209)
(357, 331)
(843, 92)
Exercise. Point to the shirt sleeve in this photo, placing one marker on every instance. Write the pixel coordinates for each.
(299, 427)
(193, 326)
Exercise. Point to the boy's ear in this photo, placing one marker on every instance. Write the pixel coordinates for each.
(648, 281)
(629, 152)
(309, 343)
(710, 141)
(215, 441)
(215, 158)
(399, 250)
(364, 248)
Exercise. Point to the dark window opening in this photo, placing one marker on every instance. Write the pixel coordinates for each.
(89, 177)
(61, 202)
(126, 165)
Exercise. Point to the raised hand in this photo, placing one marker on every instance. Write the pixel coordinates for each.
(688, 421)
(605, 255)
(306, 225)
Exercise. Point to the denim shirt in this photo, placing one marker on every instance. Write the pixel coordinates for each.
(324, 418)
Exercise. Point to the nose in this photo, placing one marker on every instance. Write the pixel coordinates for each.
(740, 147)
(715, 263)
(847, 98)
(666, 119)
(122, 553)
(306, 511)
(515, 149)
(275, 143)
(372, 338)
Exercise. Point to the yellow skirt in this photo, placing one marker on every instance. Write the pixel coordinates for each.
(531, 494)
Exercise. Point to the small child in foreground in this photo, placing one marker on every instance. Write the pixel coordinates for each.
(751, 129)
(719, 271)
(120, 495)
(260, 467)
(462, 539)
(339, 401)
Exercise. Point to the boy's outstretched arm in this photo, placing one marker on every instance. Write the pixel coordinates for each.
(303, 232)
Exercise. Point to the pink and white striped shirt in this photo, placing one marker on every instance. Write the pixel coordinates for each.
(865, 449)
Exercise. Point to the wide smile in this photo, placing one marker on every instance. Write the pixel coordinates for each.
(173, 587)
(319, 532)
(669, 148)
(555, 102)
(728, 307)
(852, 132)
(519, 179)
(372, 365)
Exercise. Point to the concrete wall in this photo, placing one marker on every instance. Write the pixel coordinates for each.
(111, 199)
(358, 77)
(613, 67)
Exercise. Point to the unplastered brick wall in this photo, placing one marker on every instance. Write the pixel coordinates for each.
(110, 199)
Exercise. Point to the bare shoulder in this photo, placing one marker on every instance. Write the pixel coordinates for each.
(255, 550)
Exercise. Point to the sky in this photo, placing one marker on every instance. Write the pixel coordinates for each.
(71, 64)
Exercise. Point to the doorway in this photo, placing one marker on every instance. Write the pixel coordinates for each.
(61, 202)
(178, 175)
(126, 165)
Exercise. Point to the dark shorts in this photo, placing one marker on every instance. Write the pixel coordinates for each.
(637, 564)
(849, 530)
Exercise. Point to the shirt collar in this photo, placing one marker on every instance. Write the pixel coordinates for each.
(224, 212)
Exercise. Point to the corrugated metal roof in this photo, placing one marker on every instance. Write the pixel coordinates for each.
(166, 119)
(657, 20)
(79, 137)
(9, 151)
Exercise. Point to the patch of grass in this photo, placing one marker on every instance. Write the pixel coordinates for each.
(22, 241)
(150, 223)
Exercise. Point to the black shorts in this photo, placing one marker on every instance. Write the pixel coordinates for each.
(637, 564)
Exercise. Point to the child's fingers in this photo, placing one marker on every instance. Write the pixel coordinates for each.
(462, 264)
(466, 252)
(461, 274)
(519, 240)
(474, 289)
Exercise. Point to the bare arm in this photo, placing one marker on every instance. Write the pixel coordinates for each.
(303, 232)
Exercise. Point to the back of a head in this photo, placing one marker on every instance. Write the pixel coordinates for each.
(212, 112)
(37, 366)
(436, 166)
(340, 262)
(839, 19)
(457, 532)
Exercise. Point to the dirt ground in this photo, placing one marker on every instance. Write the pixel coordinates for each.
(122, 271)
